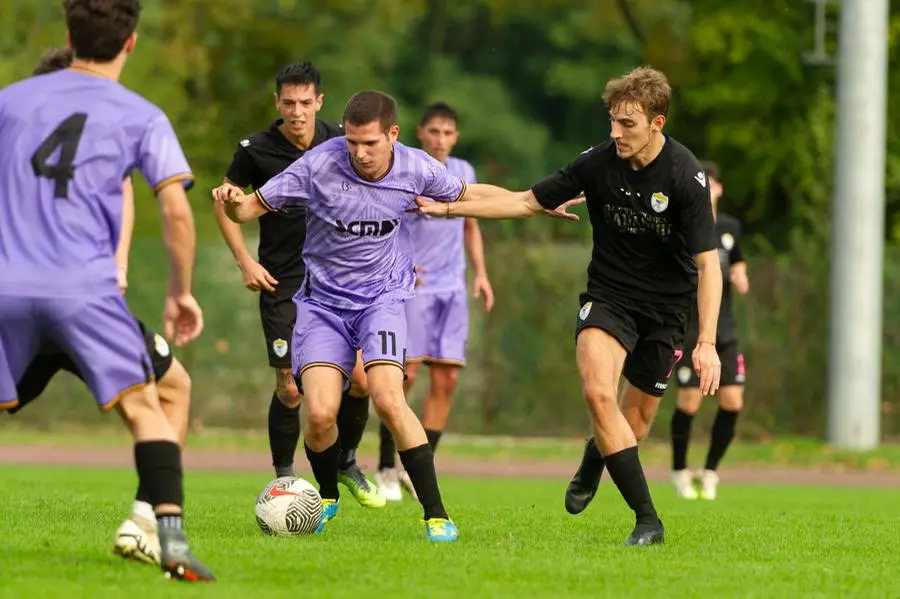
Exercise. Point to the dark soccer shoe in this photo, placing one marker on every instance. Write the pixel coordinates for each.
(647, 534)
(177, 561)
(583, 486)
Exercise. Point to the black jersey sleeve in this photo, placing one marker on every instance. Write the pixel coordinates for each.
(695, 208)
(555, 190)
(736, 255)
(240, 172)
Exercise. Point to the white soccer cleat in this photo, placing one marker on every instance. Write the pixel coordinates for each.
(389, 482)
(709, 482)
(684, 484)
(138, 539)
(406, 483)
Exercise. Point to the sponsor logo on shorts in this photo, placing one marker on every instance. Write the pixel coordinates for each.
(585, 310)
(684, 375)
(280, 347)
(661, 386)
(161, 345)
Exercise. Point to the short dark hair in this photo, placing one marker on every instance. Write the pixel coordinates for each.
(54, 59)
(711, 169)
(438, 110)
(298, 73)
(367, 106)
(98, 28)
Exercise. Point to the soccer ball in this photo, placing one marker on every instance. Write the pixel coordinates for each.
(288, 506)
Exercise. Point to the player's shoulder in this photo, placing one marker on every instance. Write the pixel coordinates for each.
(328, 129)
(328, 152)
(601, 152)
(684, 163)
(410, 156)
(460, 165)
(258, 140)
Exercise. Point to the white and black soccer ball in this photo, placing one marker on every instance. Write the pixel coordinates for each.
(288, 506)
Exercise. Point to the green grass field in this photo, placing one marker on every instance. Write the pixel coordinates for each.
(57, 524)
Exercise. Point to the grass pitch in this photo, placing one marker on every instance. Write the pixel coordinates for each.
(516, 540)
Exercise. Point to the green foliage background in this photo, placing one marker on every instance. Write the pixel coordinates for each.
(526, 78)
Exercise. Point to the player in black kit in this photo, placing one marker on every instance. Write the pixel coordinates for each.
(653, 256)
(280, 271)
(731, 390)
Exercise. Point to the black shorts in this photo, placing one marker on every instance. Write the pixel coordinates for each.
(45, 365)
(278, 313)
(732, 366)
(653, 339)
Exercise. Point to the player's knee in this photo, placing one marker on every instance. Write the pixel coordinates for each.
(689, 400)
(389, 404)
(599, 397)
(320, 416)
(286, 389)
(731, 398)
(175, 388)
(444, 380)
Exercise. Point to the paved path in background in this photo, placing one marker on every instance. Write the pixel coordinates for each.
(260, 462)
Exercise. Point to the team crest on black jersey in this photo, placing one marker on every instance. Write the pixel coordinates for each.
(659, 201)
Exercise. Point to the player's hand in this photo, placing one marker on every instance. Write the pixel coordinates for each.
(227, 193)
(480, 285)
(708, 367)
(182, 319)
(419, 279)
(256, 277)
(562, 211)
(428, 207)
(122, 278)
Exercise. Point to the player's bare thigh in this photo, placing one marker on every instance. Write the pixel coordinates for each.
(600, 359)
(323, 386)
(731, 397)
(386, 390)
(286, 388)
(444, 378)
(689, 400)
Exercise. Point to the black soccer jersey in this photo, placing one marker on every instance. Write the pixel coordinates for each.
(257, 159)
(647, 224)
(728, 231)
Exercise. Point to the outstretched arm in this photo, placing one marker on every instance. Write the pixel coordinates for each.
(508, 205)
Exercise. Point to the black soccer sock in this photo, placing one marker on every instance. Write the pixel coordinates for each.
(433, 438)
(158, 465)
(625, 470)
(387, 448)
(721, 437)
(592, 461)
(419, 465)
(352, 418)
(325, 468)
(284, 434)
(681, 437)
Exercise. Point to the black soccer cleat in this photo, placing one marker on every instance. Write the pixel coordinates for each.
(583, 486)
(645, 534)
(177, 561)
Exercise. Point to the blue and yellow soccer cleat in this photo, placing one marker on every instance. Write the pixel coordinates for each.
(367, 494)
(329, 511)
(441, 530)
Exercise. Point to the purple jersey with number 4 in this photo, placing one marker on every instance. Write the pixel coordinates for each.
(69, 139)
(439, 242)
(357, 249)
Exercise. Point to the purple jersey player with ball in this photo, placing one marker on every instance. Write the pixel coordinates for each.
(360, 271)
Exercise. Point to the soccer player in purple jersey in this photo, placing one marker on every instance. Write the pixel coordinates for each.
(138, 536)
(61, 179)
(280, 271)
(359, 272)
(438, 315)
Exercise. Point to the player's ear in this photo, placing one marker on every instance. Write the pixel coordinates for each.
(320, 99)
(658, 122)
(394, 133)
(130, 42)
(420, 132)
